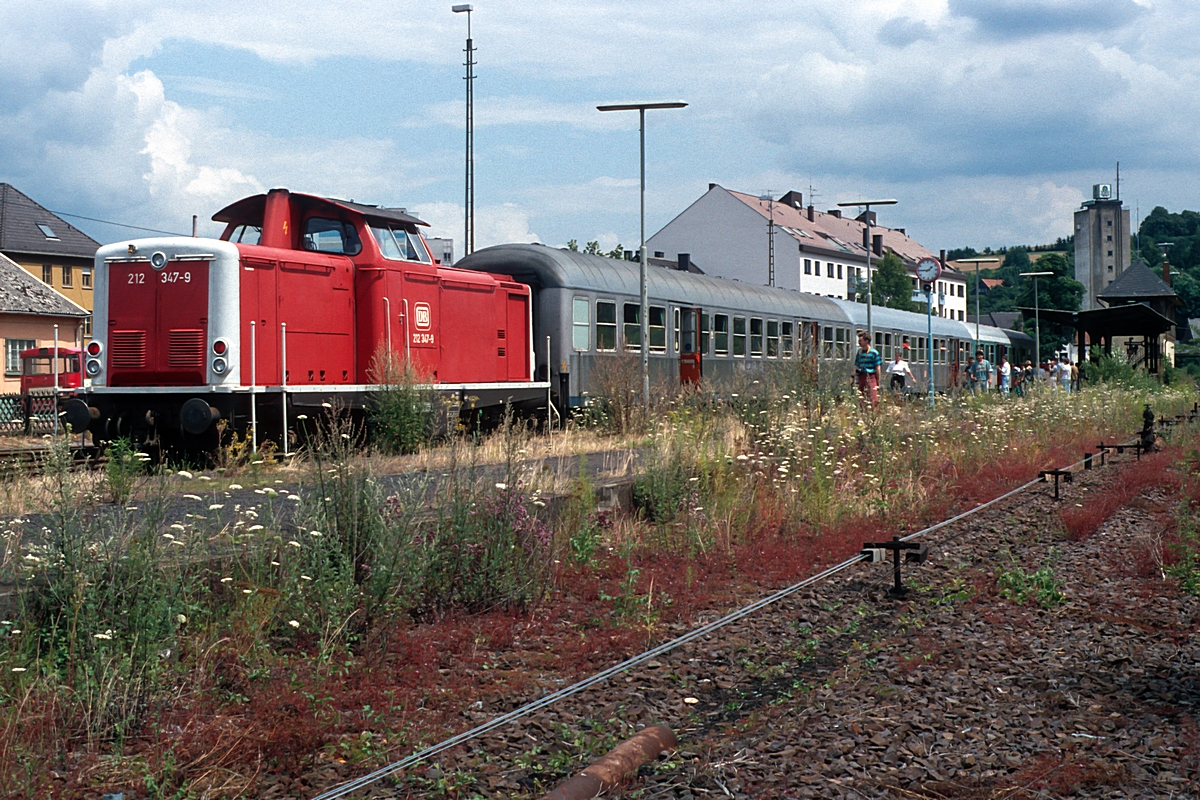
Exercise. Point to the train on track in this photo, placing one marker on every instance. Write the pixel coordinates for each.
(291, 308)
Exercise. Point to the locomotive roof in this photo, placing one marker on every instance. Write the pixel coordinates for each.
(252, 208)
(549, 267)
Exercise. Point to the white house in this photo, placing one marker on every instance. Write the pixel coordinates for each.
(728, 234)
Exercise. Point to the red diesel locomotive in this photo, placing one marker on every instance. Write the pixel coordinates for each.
(287, 311)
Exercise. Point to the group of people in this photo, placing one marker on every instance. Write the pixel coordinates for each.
(1010, 378)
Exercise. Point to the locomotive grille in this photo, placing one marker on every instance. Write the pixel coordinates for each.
(500, 333)
(185, 348)
(128, 349)
(500, 352)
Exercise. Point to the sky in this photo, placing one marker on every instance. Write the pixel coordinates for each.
(987, 120)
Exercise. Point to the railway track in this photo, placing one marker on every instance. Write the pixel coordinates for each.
(32, 459)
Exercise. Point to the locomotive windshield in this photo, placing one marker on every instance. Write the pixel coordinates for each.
(398, 244)
(331, 236)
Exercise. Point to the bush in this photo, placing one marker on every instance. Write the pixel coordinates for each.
(1116, 370)
(401, 411)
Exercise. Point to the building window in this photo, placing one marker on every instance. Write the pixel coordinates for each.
(960, 316)
(829, 269)
(47, 274)
(580, 323)
(87, 325)
(1110, 253)
(1108, 222)
(47, 231)
(606, 325)
(962, 290)
(839, 272)
(12, 354)
(721, 334)
(1110, 237)
(756, 337)
(68, 279)
(1110, 267)
(658, 329)
(808, 266)
(788, 340)
(85, 277)
(772, 338)
(633, 326)
(739, 336)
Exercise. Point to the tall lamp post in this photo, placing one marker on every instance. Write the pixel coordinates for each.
(641, 109)
(977, 262)
(469, 188)
(866, 205)
(770, 236)
(1037, 320)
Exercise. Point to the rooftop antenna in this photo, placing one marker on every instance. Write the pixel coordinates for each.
(769, 196)
(812, 193)
(1118, 181)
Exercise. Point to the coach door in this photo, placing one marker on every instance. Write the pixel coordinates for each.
(690, 367)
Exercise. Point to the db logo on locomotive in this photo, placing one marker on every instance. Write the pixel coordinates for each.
(421, 316)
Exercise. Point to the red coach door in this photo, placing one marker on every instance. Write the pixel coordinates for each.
(517, 349)
(690, 366)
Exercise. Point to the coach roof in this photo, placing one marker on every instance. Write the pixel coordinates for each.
(548, 267)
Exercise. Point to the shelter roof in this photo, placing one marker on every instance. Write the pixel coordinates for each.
(1132, 319)
(21, 293)
(27, 227)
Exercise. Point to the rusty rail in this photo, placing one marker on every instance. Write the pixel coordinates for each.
(623, 762)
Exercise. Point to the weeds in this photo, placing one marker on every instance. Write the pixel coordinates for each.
(401, 411)
(1023, 587)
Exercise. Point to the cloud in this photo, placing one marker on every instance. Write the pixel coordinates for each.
(1021, 18)
(903, 31)
(494, 224)
(523, 110)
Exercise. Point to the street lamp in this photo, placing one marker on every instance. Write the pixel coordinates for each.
(641, 109)
(977, 262)
(866, 204)
(469, 188)
(1037, 323)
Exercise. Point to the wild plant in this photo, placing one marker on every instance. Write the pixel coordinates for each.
(401, 410)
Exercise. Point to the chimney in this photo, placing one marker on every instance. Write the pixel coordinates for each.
(277, 220)
(877, 241)
(835, 212)
(864, 216)
(942, 258)
(812, 213)
(685, 261)
(712, 186)
(902, 231)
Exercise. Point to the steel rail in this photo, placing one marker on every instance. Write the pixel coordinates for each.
(600, 677)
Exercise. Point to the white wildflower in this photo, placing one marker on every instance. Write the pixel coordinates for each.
(293, 623)
(215, 506)
(233, 486)
(253, 528)
(183, 473)
(501, 486)
(192, 497)
(294, 543)
(181, 619)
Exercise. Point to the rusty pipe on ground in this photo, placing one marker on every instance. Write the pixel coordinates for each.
(624, 760)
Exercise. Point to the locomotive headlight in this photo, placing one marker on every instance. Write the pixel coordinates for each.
(92, 367)
(158, 259)
(219, 365)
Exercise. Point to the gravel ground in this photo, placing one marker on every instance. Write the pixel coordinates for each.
(844, 692)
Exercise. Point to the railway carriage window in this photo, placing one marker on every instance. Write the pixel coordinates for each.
(721, 334)
(606, 325)
(788, 337)
(704, 334)
(633, 326)
(678, 319)
(827, 344)
(580, 324)
(772, 338)
(246, 234)
(658, 329)
(808, 266)
(756, 337)
(330, 236)
(399, 244)
(841, 335)
(739, 336)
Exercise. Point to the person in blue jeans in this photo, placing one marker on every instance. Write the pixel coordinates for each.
(979, 373)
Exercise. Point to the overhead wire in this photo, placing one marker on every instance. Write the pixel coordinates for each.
(118, 224)
(497, 722)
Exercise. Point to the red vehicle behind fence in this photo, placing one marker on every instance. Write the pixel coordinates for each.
(286, 313)
(37, 369)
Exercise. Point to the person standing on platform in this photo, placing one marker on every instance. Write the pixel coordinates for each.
(898, 370)
(979, 373)
(1005, 372)
(867, 369)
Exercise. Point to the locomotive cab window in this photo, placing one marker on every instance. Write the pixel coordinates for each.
(633, 326)
(580, 324)
(246, 234)
(325, 235)
(398, 244)
(606, 325)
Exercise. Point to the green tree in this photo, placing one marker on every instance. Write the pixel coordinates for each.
(891, 285)
(1057, 291)
(573, 245)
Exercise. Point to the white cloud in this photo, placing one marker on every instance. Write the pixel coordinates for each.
(494, 224)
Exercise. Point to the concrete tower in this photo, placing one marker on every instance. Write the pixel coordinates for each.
(1102, 247)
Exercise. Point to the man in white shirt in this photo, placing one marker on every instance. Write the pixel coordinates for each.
(898, 370)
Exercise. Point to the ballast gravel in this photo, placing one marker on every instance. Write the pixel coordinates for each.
(844, 692)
